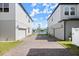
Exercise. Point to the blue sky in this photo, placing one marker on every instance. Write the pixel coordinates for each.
(39, 12)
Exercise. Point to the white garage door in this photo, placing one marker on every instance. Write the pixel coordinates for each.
(21, 34)
(59, 33)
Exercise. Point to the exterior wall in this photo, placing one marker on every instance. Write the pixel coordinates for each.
(69, 26)
(59, 33)
(77, 10)
(54, 27)
(63, 16)
(54, 20)
(50, 29)
(7, 24)
(59, 30)
(22, 22)
(57, 15)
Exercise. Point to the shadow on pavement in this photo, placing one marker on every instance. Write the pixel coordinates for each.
(49, 52)
(46, 37)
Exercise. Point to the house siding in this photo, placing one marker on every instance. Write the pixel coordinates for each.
(14, 24)
(7, 24)
(53, 20)
(69, 26)
(59, 30)
(22, 22)
(54, 27)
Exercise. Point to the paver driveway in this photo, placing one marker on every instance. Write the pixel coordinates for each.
(38, 46)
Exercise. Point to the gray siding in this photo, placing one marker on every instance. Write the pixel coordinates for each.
(7, 24)
(7, 30)
(69, 26)
(63, 16)
(54, 27)
(8, 15)
(59, 30)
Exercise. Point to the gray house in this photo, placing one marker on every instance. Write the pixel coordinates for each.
(15, 23)
(64, 17)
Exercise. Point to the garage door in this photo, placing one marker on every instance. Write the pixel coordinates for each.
(59, 33)
(21, 34)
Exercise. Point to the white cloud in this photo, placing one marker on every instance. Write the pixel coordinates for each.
(51, 7)
(46, 4)
(50, 11)
(34, 12)
(35, 25)
(34, 4)
(35, 19)
(48, 8)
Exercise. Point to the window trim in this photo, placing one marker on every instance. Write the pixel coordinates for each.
(66, 11)
(3, 8)
(72, 11)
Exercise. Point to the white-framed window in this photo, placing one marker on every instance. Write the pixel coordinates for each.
(1, 8)
(66, 11)
(69, 11)
(72, 12)
(4, 7)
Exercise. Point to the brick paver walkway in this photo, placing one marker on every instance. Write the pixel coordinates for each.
(38, 46)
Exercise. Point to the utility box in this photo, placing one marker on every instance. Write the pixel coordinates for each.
(75, 36)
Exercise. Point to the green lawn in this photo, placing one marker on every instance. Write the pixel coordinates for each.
(6, 46)
(72, 48)
(42, 34)
(33, 34)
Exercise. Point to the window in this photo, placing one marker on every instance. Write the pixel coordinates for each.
(4, 7)
(72, 11)
(66, 11)
(0, 7)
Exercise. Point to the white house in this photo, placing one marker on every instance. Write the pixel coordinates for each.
(64, 17)
(15, 22)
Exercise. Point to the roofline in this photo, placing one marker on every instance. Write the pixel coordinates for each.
(58, 6)
(25, 11)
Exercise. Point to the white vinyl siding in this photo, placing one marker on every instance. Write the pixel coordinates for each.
(23, 22)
